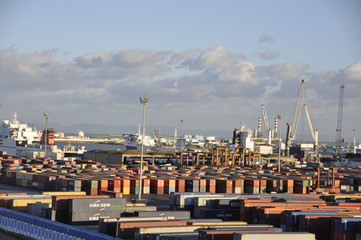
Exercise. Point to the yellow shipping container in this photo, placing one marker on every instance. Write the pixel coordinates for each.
(126, 190)
(22, 204)
(64, 193)
(135, 204)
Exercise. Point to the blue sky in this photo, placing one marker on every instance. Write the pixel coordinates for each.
(200, 60)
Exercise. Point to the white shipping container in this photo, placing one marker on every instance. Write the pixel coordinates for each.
(274, 236)
(18, 175)
(29, 176)
(307, 146)
(264, 149)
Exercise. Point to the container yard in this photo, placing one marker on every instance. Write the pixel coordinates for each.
(231, 190)
(213, 199)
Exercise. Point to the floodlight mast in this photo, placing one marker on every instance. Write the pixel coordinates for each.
(144, 102)
(339, 124)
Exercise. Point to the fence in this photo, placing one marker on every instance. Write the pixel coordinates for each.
(40, 228)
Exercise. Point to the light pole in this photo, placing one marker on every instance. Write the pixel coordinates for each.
(279, 142)
(46, 131)
(182, 121)
(144, 102)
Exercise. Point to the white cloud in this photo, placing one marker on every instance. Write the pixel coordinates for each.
(212, 86)
(283, 71)
(269, 55)
(353, 73)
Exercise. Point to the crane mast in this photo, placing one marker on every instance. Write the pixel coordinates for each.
(339, 124)
(292, 127)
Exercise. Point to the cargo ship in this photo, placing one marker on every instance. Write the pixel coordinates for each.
(19, 139)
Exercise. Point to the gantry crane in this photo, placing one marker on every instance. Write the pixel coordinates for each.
(292, 127)
(339, 124)
(313, 132)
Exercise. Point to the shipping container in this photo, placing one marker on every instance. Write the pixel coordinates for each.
(64, 193)
(141, 232)
(274, 236)
(22, 204)
(176, 215)
(157, 186)
(347, 224)
(173, 236)
(224, 186)
(37, 208)
(224, 214)
(227, 234)
(139, 209)
(126, 229)
(91, 210)
(109, 225)
(192, 185)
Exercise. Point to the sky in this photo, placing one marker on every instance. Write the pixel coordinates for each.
(211, 63)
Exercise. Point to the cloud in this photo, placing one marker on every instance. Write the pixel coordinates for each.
(283, 71)
(269, 55)
(227, 66)
(353, 73)
(209, 86)
(265, 38)
(179, 57)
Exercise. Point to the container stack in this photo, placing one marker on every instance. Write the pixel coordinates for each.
(295, 200)
(95, 178)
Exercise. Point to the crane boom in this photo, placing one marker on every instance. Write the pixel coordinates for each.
(292, 127)
(298, 108)
(339, 123)
(313, 132)
(309, 121)
(265, 118)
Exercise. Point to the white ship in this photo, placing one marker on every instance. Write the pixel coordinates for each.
(18, 139)
(134, 141)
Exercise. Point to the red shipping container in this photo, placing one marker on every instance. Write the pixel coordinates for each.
(146, 185)
(344, 235)
(157, 186)
(114, 185)
(103, 184)
(180, 185)
(251, 182)
(224, 186)
(211, 185)
(238, 186)
(169, 183)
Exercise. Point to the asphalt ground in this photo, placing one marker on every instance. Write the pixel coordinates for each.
(5, 236)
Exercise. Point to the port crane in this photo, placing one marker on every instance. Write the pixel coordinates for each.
(313, 132)
(265, 119)
(339, 124)
(292, 127)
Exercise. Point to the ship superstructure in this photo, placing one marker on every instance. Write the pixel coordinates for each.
(19, 139)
